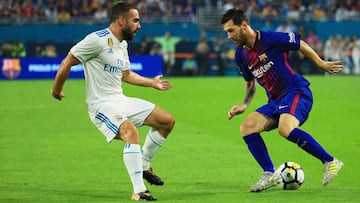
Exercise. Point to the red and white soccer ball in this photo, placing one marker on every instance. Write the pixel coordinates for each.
(292, 175)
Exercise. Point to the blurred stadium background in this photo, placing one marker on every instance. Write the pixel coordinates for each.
(36, 34)
(50, 151)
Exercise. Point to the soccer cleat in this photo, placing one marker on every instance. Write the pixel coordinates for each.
(267, 180)
(150, 177)
(331, 170)
(143, 196)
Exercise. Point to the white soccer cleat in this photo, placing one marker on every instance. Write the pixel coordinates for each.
(267, 180)
(331, 170)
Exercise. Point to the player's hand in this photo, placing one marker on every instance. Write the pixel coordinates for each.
(57, 95)
(332, 66)
(161, 84)
(236, 110)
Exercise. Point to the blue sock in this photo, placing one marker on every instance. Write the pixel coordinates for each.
(258, 149)
(309, 144)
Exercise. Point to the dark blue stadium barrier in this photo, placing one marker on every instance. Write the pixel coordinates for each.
(46, 68)
(70, 33)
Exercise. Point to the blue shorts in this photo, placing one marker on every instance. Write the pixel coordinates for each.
(297, 102)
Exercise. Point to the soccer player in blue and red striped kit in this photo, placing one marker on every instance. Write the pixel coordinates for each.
(263, 57)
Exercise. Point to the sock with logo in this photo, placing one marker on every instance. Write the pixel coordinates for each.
(309, 144)
(258, 149)
(133, 163)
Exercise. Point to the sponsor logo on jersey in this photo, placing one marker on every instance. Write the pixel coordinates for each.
(112, 69)
(262, 69)
(115, 69)
(292, 37)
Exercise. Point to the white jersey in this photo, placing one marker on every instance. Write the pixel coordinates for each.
(104, 58)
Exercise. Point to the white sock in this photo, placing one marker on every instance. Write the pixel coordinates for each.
(133, 163)
(152, 144)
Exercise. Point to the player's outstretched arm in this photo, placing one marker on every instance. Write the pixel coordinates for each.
(62, 75)
(250, 89)
(327, 66)
(136, 79)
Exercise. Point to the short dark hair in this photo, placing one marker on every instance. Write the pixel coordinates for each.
(234, 14)
(119, 9)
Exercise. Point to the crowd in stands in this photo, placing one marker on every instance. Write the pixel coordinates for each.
(52, 11)
(336, 47)
(63, 11)
(318, 10)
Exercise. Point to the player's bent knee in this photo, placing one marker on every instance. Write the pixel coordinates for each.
(284, 131)
(167, 122)
(168, 127)
(171, 123)
(247, 127)
(128, 133)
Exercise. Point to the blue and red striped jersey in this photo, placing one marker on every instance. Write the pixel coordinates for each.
(268, 63)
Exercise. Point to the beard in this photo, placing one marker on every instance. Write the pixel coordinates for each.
(128, 34)
(239, 41)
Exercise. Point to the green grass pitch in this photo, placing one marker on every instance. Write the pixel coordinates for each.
(51, 152)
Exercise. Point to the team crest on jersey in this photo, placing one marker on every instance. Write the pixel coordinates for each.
(118, 117)
(263, 57)
(110, 44)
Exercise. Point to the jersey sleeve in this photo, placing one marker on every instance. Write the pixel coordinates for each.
(285, 40)
(87, 48)
(244, 71)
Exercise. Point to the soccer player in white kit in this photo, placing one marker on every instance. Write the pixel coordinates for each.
(106, 64)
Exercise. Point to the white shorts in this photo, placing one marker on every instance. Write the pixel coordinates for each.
(110, 115)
